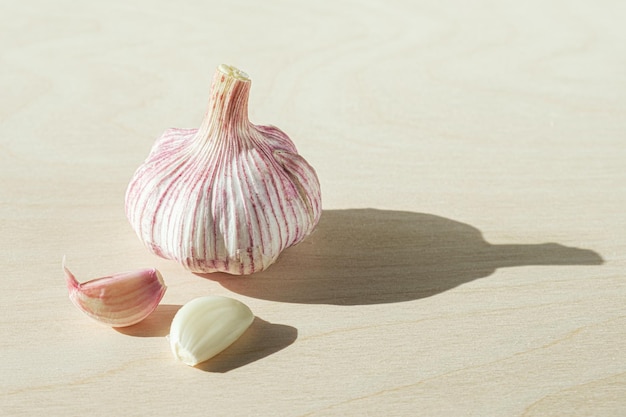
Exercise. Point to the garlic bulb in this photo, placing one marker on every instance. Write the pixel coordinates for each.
(205, 326)
(118, 300)
(227, 197)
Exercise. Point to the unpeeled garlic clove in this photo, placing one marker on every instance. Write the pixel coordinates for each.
(118, 300)
(227, 197)
(205, 326)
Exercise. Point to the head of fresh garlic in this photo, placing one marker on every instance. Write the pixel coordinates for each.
(117, 300)
(227, 197)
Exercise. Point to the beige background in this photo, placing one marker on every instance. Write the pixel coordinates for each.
(470, 258)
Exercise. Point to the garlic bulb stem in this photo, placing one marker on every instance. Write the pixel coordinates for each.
(233, 72)
(227, 113)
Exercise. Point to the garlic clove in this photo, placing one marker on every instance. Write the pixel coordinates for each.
(205, 326)
(227, 197)
(118, 300)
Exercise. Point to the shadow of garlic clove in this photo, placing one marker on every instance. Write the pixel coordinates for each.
(229, 196)
(118, 300)
(205, 326)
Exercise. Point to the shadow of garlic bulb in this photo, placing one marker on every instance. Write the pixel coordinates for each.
(227, 197)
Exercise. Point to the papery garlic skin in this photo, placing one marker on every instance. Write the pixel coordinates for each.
(227, 197)
(205, 326)
(118, 300)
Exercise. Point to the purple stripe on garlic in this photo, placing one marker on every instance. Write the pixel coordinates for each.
(229, 196)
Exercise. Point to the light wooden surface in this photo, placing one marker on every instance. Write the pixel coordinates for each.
(470, 260)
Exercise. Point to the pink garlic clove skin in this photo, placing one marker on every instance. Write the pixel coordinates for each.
(118, 300)
(227, 197)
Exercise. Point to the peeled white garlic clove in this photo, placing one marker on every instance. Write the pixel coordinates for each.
(118, 300)
(205, 326)
(227, 197)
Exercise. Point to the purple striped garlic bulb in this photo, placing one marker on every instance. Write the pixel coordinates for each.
(227, 197)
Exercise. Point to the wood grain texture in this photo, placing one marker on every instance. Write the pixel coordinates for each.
(470, 257)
